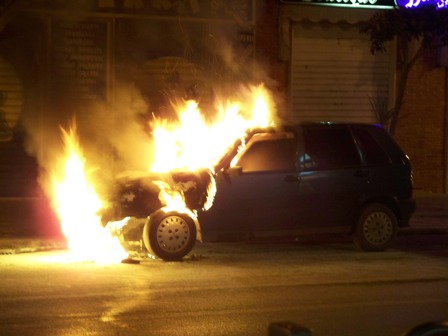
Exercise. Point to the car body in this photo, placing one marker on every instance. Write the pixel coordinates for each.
(314, 177)
(305, 178)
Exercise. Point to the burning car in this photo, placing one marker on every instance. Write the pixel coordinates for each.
(169, 231)
(306, 178)
(177, 185)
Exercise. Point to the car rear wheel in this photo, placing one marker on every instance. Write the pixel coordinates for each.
(169, 235)
(376, 227)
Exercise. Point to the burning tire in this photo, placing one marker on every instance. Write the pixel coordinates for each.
(376, 228)
(169, 235)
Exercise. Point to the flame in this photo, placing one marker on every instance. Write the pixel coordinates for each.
(193, 142)
(172, 198)
(77, 206)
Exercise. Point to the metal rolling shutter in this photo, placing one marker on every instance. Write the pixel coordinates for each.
(334, 77)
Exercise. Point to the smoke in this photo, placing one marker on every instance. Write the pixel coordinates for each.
(235, 69)
(113, 136)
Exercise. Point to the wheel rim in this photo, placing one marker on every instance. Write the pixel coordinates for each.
(173, 234)
(378, 228)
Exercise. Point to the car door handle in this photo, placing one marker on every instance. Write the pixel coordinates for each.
(361, 173)
(292, 178)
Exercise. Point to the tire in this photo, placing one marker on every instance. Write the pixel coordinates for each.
(376, 227)
(169, 235)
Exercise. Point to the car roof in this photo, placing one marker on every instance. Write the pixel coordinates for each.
(305, 124)
(332, 123)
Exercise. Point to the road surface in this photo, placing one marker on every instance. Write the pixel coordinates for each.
(231, 289)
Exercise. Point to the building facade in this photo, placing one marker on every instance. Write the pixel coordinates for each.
(328, 73)
(105, 62)
(58, 59)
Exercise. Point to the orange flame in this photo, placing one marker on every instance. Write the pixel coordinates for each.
(189, 144)
(77, 205)
(194, 143)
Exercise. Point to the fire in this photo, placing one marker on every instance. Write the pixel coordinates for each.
(194, 142)
(173, 199)
(77, 206)
(190, 143)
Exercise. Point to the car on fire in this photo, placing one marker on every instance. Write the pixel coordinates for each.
(307, 178)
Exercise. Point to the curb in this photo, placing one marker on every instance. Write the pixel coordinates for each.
(422, 231)
(29, 245)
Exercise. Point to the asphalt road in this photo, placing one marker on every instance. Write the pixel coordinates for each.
(231, 289)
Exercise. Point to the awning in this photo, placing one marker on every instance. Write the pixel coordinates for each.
(316, 13)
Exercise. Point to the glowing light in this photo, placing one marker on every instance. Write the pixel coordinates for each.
(173, 199)
(211, 192)
(194, 142)
(354, 2)
(349, 3)
(417, 3)
(190, 143)
(77, 205)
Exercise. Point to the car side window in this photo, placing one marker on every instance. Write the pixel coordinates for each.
(269, 155)
(329, 148)
(372, 151)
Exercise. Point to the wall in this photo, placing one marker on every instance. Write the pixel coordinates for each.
(421, 127)
(86, 59)
(269, 69)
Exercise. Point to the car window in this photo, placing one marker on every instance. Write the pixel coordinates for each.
(373, 153)
(269, 155)
(387, 143)
(329, 148)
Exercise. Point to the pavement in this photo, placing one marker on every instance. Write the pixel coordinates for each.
(431, 217)
(431, 214)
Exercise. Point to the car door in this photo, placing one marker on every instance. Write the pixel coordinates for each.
(332, 178)
(259, 191)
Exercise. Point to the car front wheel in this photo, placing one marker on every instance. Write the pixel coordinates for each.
(376, 227)
(169, 235)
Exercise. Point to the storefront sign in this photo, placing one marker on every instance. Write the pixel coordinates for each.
(348, 3)
(418, 3)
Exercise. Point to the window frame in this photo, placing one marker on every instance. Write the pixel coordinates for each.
(306, 168)
(263, 138)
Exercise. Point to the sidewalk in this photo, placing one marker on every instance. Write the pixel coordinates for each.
(431, 217)
(431, 214)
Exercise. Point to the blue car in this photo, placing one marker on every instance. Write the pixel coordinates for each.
(306, 178)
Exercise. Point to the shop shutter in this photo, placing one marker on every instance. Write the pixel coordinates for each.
(334, 77)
